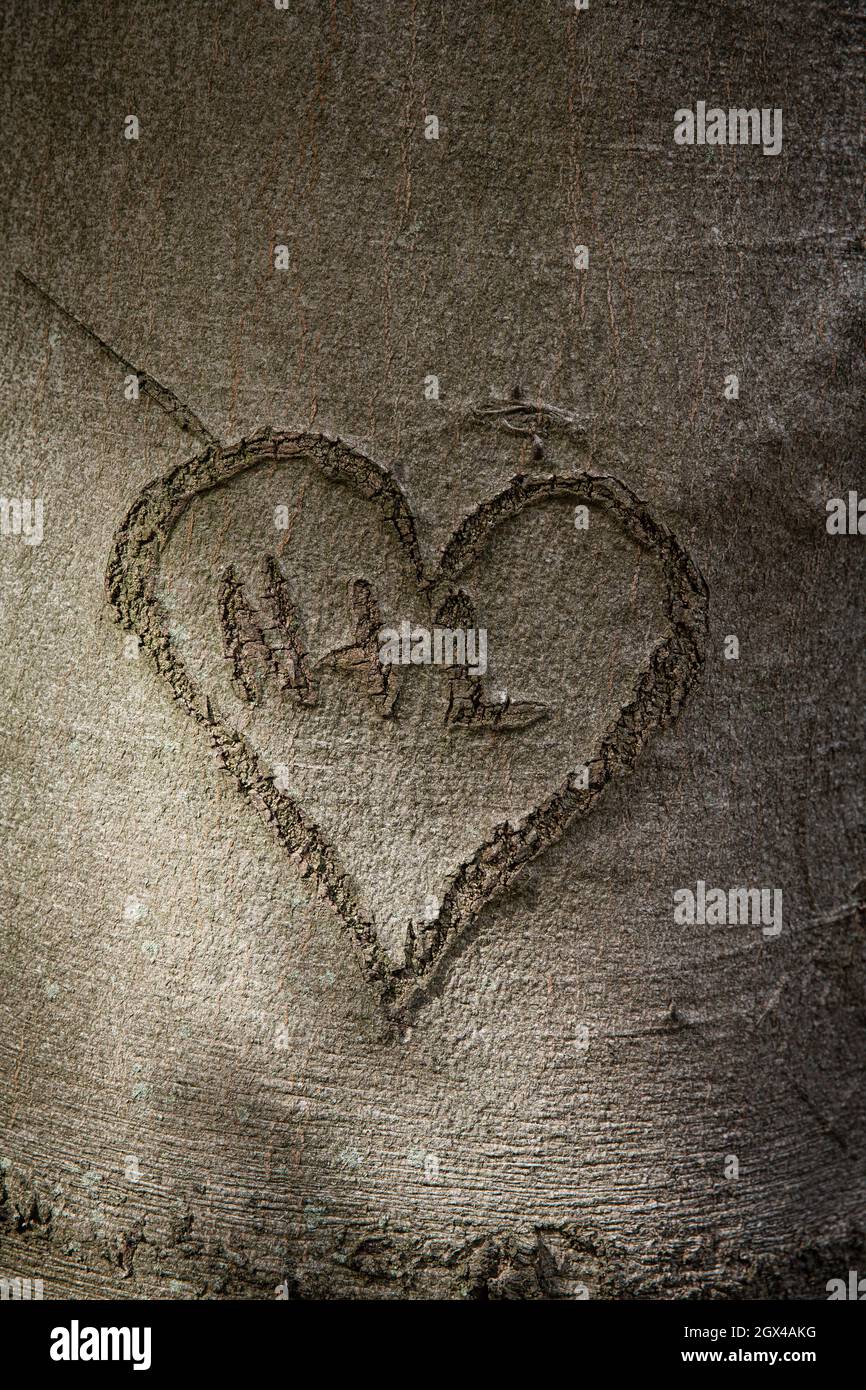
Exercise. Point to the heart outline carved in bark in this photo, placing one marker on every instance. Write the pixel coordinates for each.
(662, 684)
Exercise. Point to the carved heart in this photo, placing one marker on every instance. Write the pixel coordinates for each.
(295, 674)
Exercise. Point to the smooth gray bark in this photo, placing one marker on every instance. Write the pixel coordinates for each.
(202, 1090)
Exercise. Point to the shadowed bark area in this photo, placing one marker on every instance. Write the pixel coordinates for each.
(299, 1000)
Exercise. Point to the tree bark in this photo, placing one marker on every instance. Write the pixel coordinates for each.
(346, 986)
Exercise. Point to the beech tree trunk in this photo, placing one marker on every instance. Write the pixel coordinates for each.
(351, 984)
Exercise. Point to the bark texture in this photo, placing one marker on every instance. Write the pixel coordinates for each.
(346, 985)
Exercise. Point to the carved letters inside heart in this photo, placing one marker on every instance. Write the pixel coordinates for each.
(412, 794)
